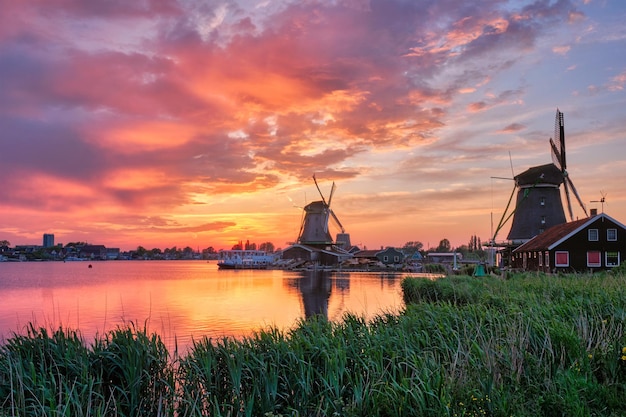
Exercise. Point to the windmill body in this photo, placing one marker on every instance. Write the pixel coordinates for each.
(539, 205)
(314, 230)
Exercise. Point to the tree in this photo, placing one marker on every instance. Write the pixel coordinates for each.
(267, 247)
(141, 252)
(76, 244)
(5, 243)
(411, 247)
(475, 244)
(444, 246)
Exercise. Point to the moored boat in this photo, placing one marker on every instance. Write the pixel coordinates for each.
(245, 259)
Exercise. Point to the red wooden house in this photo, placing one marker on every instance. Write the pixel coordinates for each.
(586, 245)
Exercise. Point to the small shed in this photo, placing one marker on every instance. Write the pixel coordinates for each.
(585, 245)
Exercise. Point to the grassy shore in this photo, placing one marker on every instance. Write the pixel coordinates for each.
(531, 345)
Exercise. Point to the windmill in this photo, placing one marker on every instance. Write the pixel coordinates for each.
(314, 229)
(539, 205)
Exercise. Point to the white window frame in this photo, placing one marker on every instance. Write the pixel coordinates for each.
(556, 259)
(593, 235)
(547, 259)
(594, 264)
(612, 238)
(606, 259)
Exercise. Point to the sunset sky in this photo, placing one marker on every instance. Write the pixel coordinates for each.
(200, 123)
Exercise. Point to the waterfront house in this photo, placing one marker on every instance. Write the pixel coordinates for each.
(590, 244)
(390, 256)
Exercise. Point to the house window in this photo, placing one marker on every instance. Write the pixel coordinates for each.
(561, 258)
(541, 230)
(611, 258)
(396, 259)
(593, 235)
(385, 258)
(547, 259)
(611, 235)
(540, 259)
(593, 258)
(524, 260)
(543, 219)
(542, 201)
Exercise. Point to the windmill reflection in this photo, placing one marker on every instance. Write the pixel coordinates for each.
(315, 287)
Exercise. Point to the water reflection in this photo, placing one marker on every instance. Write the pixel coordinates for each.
(183, 300)
(316, 288)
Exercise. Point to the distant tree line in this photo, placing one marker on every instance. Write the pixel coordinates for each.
(474, 247)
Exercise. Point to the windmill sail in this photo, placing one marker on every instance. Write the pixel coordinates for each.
(560, 160)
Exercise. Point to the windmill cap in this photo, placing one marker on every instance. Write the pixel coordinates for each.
(543, 174)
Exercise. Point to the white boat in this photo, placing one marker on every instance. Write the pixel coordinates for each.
(73, 259)
(245, 259)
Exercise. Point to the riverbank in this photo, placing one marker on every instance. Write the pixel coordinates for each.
(531, 345)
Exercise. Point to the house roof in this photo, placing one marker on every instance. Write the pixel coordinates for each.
(366, 253)
(557, 234)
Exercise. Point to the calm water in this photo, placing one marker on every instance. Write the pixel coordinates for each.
(181, 300)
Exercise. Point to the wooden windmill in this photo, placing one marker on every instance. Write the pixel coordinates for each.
(314, 228)
(539, 205)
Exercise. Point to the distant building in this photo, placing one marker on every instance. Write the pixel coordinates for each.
(48, 240)
(113, 253)
(444, 257)
(97, 252)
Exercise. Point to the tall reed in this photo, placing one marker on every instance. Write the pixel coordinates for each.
(532, 345)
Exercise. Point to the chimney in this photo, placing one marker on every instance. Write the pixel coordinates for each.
(593, 212)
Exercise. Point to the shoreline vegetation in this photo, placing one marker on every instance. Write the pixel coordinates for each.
(528, 345)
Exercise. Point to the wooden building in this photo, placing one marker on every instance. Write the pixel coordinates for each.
(591, 244)
(328, 256)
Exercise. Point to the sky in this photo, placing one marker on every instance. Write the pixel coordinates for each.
(162, 123)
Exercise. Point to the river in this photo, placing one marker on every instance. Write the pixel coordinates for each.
(182, 300)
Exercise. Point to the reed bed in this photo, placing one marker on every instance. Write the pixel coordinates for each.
(531, 345)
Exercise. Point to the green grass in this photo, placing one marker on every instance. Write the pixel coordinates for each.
(531, 345)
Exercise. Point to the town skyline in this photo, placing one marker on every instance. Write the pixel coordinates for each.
(181, 123)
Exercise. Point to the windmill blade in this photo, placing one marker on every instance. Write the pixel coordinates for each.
(320, 191)
(580, 201)
(556, 155)
(559, 129)
(332, 191)
(569, 202)
(302, 218)
(326, 211)
(504, 217)
(332, 213)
